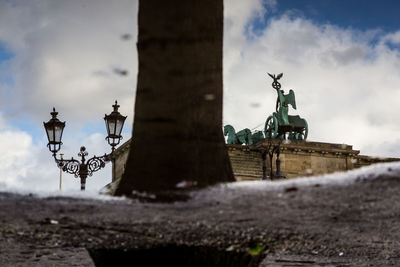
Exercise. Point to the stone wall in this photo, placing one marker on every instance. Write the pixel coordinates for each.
(298, 158)
(363, 160)
(121, 156)
(301, 158)
(246, 162)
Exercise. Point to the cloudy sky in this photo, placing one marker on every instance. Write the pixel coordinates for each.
(341, 57)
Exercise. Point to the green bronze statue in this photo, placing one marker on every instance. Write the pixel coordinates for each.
(244, 136)
(281, 123)
(283, 101)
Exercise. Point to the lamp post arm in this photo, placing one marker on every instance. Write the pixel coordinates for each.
(71, 166)
(96, 163)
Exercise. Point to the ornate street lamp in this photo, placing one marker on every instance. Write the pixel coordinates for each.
(54, 129)
(114, 123)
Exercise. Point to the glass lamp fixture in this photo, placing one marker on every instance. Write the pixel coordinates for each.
(54, 130)
(114, 123)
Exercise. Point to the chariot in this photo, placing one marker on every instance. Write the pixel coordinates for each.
(297, 128)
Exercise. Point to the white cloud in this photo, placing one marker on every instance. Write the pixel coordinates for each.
(393, 38)
(60, 49)
(15, 156)
(65, 55)
(28, 166)
(346, 87)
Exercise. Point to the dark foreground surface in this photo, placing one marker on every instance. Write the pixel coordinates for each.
(354, 224)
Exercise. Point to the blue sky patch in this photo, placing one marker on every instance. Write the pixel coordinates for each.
(393, 46)
(5, 54)
(26, 124)
(348, 14)
(361, 15)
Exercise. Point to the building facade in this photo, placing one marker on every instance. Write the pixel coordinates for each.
(297, 159)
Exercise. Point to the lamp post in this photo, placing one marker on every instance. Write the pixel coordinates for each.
(271, 150)
(114, 123)
(61, 156)
(54, 130)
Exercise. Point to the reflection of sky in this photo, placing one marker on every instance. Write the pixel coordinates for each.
(65, 54)
(362, 15)
(5, 54)
(27, 124)
(5, 76)
(49, 53)
(366, 15)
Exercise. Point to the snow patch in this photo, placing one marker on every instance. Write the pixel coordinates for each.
(67, 194)
(224, 192)
(337, 178)
(228, 190)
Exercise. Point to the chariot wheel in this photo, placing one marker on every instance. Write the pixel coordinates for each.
(276, 85)
(271, 127)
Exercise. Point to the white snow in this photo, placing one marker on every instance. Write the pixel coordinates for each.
(223, 191)
(346, 177)
(67, 193)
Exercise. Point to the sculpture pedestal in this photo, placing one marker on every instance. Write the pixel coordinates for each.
(297, 159)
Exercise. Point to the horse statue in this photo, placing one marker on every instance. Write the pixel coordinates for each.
(242, 137)
(257, 136)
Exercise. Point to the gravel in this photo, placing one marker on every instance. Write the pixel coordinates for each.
(294, 224)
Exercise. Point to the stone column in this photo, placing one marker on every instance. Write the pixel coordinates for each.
(177, 133)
